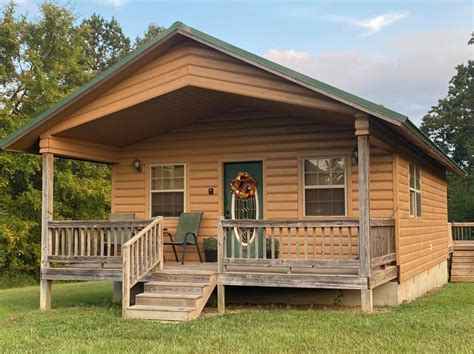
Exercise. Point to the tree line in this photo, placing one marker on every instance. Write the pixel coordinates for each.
(450, 124)
(42, 61)
(45, 59)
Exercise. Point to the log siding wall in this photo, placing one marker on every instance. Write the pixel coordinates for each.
(423, 241)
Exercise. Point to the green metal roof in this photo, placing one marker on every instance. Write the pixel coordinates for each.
(179, 27)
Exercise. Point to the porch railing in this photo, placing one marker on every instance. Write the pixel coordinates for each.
(462, 231)
(141, 254)
(300, 244)
(382, 242)
(90, 241)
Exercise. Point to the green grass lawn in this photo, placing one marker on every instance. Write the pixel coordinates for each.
(84, 319)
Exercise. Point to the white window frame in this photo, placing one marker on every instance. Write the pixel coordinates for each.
(415, 190)
(303, 159)
(150, 196)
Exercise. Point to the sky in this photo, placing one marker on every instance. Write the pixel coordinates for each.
(400, 54)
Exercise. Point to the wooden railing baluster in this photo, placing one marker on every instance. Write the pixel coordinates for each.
(331, 240)
(280, 238)
(272, 230)
(101, 241)
(340, 242)
(289, 242)
(256, 241)
(82, 251)
(305, 230)
(50, 241)
(56, 242)
(349, 240)
(240, 244)
(232, 242)
(297, 235)
(323, 243)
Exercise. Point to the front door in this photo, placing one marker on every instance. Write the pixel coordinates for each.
(243, 207)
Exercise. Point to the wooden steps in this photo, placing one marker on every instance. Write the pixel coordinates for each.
(174, 295)
(462, 266)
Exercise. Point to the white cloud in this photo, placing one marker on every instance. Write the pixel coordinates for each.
(409, 77)
(373, 24)
(115, 3)
(290, 57)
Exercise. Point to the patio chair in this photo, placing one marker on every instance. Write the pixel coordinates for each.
(186, 234)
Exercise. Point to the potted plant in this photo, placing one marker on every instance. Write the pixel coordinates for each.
(268, 242)
(210, 249)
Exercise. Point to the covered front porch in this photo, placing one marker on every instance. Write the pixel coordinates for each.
(289, 249)
(353, 251)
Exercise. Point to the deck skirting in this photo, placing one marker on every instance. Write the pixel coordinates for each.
(354, 282)
(81, 274)
(326, 281)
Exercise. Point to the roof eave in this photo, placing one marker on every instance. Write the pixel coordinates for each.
(108, 74)
(448, 162)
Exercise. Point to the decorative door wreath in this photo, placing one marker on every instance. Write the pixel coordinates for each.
(243, 186)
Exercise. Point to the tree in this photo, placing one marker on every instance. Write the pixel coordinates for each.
(152, 31)
(106, 43)
(41, 62)
(450, 124)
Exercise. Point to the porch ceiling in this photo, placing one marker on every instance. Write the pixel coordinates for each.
(178, 109)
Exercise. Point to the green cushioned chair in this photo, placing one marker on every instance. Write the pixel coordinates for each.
(186, 234)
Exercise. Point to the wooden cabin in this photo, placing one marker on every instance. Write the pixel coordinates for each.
(348, 194)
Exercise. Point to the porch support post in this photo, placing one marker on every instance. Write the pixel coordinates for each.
(362, 133)
(46, 216)
(220, 298)
(220, 267)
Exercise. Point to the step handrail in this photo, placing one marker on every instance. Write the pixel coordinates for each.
(140, 255)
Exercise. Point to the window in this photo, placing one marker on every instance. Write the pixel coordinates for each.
(324, 186)
(415, 191)
(167, 190)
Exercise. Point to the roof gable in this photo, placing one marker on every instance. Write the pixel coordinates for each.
(187, 65)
